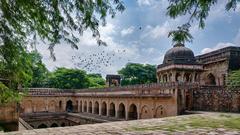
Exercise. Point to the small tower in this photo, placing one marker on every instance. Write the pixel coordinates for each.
(113, 80)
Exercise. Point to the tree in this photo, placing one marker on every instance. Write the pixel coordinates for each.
(40, 72)
(23, 22)
(198, 10)
(54, 20)
(96, 81)
(69, 79)
(134, 73)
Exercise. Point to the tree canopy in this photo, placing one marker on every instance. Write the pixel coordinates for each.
(135, 73)
(197, 10)
(65, 78)
(23, 22)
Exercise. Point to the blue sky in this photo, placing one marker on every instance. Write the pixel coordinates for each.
(139, 35)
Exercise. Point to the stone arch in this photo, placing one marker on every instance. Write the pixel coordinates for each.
(60, 105)
(112, 111)
(104, 108)
(69, 106)
(28, 107)
(54, 125)
(96, 107)
(145, 112)
(170, 77)
(210, 80)
(85, 106)
(90, 107)
(132, 113)
(121, 111)
(178, 77)
(52, 106)
(63, 125)
(42, 126)
(160, 112)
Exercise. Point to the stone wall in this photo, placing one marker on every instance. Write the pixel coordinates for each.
(9, 117)
(216, 99)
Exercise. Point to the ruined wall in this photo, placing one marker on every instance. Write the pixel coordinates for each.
(216, 99)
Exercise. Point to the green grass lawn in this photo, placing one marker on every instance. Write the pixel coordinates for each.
(183, 123)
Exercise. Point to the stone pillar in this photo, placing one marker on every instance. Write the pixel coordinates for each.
(82, 105)
(174, 76)
(182, 76)
(100, 108)
(64, 105)
(126, 111)
(108, 108)
(88, 107)
(138, 110)
(116, 110)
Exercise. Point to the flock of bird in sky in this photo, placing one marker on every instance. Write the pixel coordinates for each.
(96, 61)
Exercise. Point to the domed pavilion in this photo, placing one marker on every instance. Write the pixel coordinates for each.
(179, 65)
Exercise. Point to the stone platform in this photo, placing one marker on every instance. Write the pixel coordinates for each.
(195, 124)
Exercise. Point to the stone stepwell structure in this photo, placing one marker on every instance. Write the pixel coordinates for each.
(185, 82)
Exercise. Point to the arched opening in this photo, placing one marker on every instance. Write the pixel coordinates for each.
(121, 111)
(170, 77)
(69, 107)
(42, 126)
(112, 111)
(196, 77)
(145, 112)
(132, 113)
(63, 125)
(60, 105)
(90, 107)
(159, 112)
(54, 125)
(96, 108)
(85, 106)
(211, 79)
(104, 108)
(187, 77)
(165, 78)
(178, 77)
(80, 109)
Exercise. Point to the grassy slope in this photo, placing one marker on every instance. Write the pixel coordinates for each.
(226, 121)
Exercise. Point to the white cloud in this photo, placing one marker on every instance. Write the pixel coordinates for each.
(127, 31)
(218, 46)
(145, 2)
(157, 31)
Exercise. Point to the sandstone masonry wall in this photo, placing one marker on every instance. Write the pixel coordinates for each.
(216, 99)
